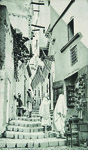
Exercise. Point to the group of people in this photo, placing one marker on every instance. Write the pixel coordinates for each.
(20, 108)
(59, 114)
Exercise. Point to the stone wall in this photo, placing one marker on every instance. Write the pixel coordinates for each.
(2, 35)
(7, 81)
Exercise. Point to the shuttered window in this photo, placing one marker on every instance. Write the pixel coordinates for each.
(73, 53)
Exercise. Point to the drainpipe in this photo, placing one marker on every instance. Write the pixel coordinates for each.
(63, 13)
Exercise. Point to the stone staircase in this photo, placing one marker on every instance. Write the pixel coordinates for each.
(27, 133)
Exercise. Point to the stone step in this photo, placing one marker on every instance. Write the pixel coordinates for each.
(29, 135)
(28, 119)
(47, 148)
(24, 129)
(35, 112)
(34, 115)
(25, 143)
(35, 107)
(25, 123)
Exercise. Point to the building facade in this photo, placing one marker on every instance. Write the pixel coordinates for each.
(70, 53)
(15, 70)
(7, 81)
(67, 53)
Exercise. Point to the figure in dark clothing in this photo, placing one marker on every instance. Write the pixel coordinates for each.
(19, 100)
(19, 105)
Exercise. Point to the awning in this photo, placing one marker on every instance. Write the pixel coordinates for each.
(43, 52)
(58, 84)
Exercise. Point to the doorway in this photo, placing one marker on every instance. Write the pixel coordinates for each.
(57, 86)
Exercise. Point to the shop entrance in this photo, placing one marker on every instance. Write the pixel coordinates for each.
(70, 89)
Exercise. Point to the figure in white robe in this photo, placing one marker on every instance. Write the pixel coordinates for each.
(29, 102)
(59, 115)
(44, 112)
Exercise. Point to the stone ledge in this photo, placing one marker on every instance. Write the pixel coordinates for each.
(70, 42)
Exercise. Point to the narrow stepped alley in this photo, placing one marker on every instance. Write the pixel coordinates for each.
(25, 133)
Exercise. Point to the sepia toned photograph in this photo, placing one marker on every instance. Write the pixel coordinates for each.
(43, 74)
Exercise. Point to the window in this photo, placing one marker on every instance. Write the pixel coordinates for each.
(73, 53)
(38, 92)
(47, 88)
(36, 44)
(48, 2)
(35, 92)
(70, 29)
(42, 92)
(53, 41)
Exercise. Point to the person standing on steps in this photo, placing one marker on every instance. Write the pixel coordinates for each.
(19, 105)
(60, 115)
(29, 101)
(19, 100)
(44, 112)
